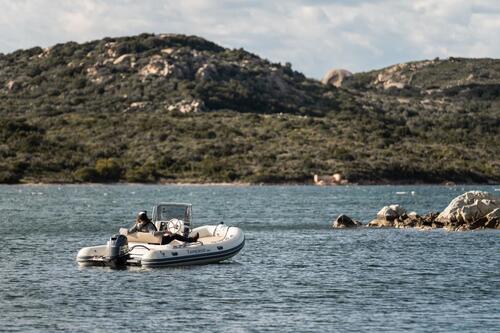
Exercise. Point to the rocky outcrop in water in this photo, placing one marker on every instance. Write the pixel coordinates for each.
(413, 220)
(387, 215)
(344, 221)
(471, 210)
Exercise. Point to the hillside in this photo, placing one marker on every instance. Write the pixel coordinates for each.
(174, 108)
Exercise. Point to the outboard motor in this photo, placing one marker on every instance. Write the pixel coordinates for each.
(117, 251)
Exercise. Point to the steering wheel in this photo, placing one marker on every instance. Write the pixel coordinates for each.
(174, 226)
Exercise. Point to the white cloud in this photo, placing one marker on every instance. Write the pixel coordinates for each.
(313, 35)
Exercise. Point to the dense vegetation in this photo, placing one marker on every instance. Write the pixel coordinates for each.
(173, 108)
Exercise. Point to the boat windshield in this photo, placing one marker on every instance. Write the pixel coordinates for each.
(165, 212)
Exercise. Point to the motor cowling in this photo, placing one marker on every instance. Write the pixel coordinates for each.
(118, 251)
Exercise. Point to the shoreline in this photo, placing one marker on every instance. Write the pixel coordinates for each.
(244, 184)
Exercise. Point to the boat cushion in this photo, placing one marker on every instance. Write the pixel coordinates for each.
(141, 237)
(211, 239)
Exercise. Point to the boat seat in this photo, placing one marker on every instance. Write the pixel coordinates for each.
(141, 237)
(211, 239)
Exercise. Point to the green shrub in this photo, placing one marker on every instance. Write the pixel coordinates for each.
(108, 170)
(10, 177)
(86, 174)
(138, 175)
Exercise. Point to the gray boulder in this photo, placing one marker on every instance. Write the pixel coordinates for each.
(344, 221)
(391, 212)
(387, 216)
(471, 210)
(335, 77)
(493, 219)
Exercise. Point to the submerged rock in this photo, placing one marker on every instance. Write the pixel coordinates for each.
(344, 221)
(381, 223)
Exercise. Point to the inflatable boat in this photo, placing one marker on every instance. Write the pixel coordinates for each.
(215, 243)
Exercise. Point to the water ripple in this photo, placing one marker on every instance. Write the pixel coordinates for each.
(294, 274)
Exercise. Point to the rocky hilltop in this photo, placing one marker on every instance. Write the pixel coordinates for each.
(447, 77)
(174, 108)
(156, 72)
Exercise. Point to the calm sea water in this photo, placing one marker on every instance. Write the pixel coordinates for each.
(295, 273)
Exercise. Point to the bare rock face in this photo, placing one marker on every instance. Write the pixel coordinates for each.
(344, 221)
(12, 85)
(161, 67)
(207, 72)
(493, 219)
(156, 66)
(400, 76)
(471, 210)
(392, 77)
(17, 84)
(336, 77)
(125, 59)
(468, 206)
(187, 106)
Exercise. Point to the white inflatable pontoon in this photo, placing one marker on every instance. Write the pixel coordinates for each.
(215, 243)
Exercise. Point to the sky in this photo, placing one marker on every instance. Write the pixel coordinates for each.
(314, 36)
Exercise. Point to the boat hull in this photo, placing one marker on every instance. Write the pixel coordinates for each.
(195, 259)
(215, 244)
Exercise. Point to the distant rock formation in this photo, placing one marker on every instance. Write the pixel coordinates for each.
(344, 221)
(469, 211)
(472, 210)
(158, 66)
(401, 75)
(187, 106)
(335, 77)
